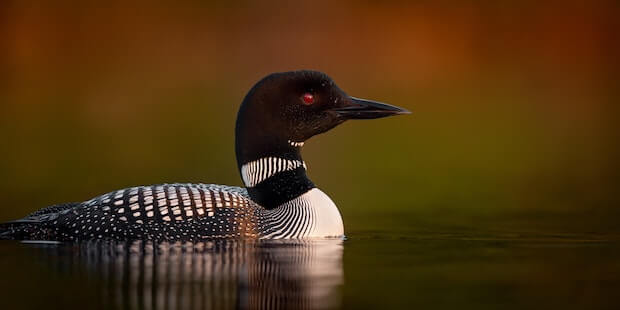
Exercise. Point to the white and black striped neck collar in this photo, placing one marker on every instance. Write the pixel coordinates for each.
(257, 171)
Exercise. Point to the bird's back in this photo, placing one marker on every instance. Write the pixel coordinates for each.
(159, 212)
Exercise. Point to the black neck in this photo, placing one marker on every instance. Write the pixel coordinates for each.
(254, 144)
(280, 188)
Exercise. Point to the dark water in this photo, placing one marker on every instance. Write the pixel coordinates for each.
(369, 270)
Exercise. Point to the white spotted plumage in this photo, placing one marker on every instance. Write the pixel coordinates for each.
(210, 211)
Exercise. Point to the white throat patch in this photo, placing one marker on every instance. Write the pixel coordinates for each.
(261, 169)
(295, 144)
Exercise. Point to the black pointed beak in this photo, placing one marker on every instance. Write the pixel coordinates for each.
(367, 109)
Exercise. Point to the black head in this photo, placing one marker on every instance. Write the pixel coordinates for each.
(285, 108)
(278, 113)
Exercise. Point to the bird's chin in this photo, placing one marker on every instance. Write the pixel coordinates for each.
(326, 127)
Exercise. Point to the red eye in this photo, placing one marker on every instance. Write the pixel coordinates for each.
(308, 98)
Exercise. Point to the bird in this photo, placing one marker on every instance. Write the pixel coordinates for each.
(276, 117)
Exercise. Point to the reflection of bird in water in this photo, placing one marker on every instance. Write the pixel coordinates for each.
(209, 275)
(279, 202)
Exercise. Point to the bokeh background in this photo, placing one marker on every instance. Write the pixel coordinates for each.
(515, 122)
(499, 191)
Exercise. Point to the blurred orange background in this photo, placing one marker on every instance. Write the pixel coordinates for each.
(515, 103)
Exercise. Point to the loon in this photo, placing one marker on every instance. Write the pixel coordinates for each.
(276, 117)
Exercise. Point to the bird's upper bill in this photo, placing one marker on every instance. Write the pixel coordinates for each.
(358, 108)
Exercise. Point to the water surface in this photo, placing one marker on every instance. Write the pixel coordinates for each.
(378, 269)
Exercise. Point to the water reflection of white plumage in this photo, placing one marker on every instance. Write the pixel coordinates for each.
(209, 275)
